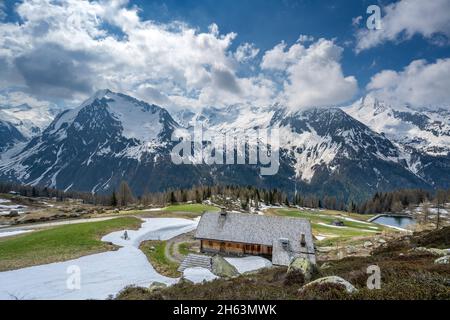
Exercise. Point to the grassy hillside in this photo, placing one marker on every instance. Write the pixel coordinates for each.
(194, 207)
(60, 243)
(156, 254)
(404, 275)
(187, 211)
(355, 225)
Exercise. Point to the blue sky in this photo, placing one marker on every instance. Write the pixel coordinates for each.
(407, 45)
(267, 22)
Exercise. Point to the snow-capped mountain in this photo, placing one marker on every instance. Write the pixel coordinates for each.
(113, 137)
(9, 135)
(421, 136)
(94, 146)
(323, 150)
(30, 121)
(425, 131)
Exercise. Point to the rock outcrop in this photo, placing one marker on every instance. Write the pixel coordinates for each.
(333, 280)
(442, 260)
(303, 265)
(222, 268)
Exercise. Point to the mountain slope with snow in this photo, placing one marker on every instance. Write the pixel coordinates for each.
(323, 151)
(95, 146)
(30, 121)
(113, 137)
(9, 135)
(426, 131)
(421, 136)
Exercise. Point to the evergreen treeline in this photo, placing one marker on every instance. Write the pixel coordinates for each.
(36, 191)
(381, 202)
(247, 196)
(397, 201)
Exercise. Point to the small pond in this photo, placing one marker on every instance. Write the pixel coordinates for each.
(395, 221)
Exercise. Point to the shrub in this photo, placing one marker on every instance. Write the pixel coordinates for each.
(324, 291)
(294, 277)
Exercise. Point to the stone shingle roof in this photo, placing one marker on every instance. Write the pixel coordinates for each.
(257, 229)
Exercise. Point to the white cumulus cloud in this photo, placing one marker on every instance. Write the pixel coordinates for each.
(67, 49)
(406, 18)
(246, 52)
(420, 84)
(314, 75)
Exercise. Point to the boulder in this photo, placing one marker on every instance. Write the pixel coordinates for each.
(183, 280)
(306, 267)
(222, 268)
(442, 260)
(13, 213)
(351, 249)
(155, 285)
(368, 244)
(338, 223)
(432, 251)
(332, 279)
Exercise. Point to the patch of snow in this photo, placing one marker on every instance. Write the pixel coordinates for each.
(354, 220)
(13, 233)
(250, 263)
(435, 211)
(315, 150)
(332, 226)
(344, 227)
(152, 229)
(101, 274)
(6, 209)
(394, 227)
(198, 275)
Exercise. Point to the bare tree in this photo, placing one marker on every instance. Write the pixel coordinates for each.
(397, 207)
(125, 196)
(441, 198)
(425, 212)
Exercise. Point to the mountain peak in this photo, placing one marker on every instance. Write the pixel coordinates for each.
(98, 95)
(372, 103)
(101, 93)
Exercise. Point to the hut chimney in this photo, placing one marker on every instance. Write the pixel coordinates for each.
(303, 240)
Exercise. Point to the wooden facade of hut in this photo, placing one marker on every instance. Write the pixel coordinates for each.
(278, 238)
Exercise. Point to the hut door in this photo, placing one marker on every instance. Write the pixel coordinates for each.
(222, 247)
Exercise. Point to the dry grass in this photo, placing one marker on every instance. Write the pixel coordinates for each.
(404, 275)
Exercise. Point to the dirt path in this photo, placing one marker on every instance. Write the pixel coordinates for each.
(55, 223)
(175, 255)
